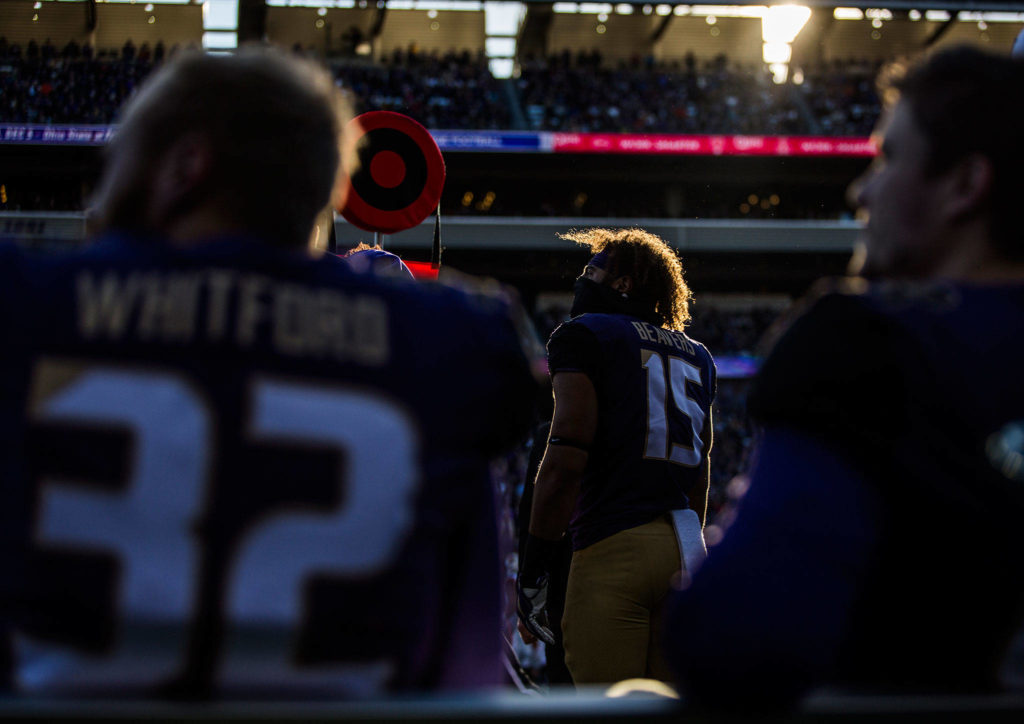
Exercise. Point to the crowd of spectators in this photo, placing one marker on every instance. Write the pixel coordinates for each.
(78, 84)
(733, 445)
(842, 97)
(44, 84)
(583, 93)
(729, 331)
(75, 84)
(451, 90)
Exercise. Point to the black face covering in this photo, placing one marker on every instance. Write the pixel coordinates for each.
(591, 297)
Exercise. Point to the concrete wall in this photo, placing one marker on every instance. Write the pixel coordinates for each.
(510, 233)
(906, 38)
(738, 38)
(62, 22)
(288, 26)
(451, 30)
(542, 234)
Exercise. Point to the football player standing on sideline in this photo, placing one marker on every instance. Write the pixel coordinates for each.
(626, 466)
(880, 545)
(228, 467)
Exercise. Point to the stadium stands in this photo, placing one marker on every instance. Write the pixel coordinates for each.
(455, 90)
(561, 93)
(841, 97)
(74, 85)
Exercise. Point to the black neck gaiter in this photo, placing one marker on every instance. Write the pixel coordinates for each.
(591, 297)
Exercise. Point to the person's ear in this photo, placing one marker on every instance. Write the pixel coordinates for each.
(188, 161)
(180, 176)
(623, 284)
(968, 186)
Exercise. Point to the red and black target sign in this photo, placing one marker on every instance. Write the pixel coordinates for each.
(399, 173)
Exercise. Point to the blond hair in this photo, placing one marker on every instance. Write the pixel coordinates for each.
(653, 265)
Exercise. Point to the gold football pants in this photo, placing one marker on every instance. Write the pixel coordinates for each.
(617, 588)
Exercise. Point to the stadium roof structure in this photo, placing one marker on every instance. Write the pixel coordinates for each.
(968, 5)
(949, 5)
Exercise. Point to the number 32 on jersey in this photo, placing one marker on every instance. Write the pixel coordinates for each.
(148, 523)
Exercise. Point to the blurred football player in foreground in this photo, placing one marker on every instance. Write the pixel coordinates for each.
(880, 545)
(626, 466)
(229, 467)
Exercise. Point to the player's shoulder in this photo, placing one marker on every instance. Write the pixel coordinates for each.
(614, 329)
(453, 291)
(575, 347)
(589, 331)
(885, 297)
(841, 350)
(482, 317)
(483, 308)
(595, 321)
(700, 350)
(895, 298)
(833, 304)
(607, 328)
(27, 271)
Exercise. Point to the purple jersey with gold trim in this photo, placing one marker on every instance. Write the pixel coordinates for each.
(654, 393)
(235, 469)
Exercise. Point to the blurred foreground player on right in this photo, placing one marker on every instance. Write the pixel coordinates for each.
(881, 545)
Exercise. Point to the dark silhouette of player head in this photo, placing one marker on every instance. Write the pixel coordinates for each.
(213, 145)
(644, 269)
(942, 197)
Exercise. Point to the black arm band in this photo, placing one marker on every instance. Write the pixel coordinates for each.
(538, 555)
(569, 442)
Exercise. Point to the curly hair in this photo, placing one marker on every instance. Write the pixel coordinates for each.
(654, 266)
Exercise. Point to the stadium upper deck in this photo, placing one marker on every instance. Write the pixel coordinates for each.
(575, 69)
(649, 68)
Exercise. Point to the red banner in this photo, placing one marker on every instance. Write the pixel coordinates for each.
(421, 269)
(711, 145)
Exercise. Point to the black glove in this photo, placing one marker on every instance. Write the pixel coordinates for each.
(532, 587)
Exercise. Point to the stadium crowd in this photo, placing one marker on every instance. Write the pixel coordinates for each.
(451, 90)
(75, 84)
(44, 84)
(455, 90)
(842, 97)
(584, 94)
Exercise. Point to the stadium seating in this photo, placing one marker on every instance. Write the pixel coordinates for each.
(455, 90)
